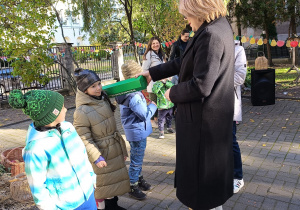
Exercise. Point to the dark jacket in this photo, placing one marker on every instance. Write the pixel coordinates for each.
(177, 50)
(135, 115)
(205, 103)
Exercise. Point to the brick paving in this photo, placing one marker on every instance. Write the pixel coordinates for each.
(269, 137)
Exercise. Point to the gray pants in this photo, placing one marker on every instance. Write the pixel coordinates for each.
(165, 115)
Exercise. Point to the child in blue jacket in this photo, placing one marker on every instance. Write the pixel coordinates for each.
(59, 173)
(135, 118)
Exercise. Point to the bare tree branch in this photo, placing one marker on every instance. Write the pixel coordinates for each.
(120, 21)
(122, 2)
(62, 32)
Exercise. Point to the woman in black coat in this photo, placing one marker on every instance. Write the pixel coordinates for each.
(205, 104)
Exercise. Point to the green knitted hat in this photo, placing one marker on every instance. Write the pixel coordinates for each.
(42, 106)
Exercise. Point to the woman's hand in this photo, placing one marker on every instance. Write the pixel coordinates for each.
(101, 164)
(125, 158)
(167, 94)
(146, 74)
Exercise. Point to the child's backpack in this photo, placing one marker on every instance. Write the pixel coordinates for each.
(261, 62)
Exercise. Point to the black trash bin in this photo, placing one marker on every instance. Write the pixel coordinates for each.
(262, 87)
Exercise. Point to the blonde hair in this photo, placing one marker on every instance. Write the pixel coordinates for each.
(130, 69)
(204, 10)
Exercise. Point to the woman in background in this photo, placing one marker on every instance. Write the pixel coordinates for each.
(153, 56)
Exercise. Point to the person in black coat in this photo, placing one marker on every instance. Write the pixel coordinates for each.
(179, 46)
(205, 105)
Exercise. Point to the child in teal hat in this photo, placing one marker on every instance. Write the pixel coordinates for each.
(59, 173)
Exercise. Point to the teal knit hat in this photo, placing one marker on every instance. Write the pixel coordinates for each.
(42, 106)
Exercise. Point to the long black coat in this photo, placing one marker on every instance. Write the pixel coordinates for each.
(205, 104)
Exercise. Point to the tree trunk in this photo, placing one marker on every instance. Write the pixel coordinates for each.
(239, 26)
(128, 9)
(294, 32)
(270, 62)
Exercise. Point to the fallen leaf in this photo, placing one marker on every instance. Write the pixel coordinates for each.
(264, 145)
(170, 172)
(251, 120)
(265, 135)
(6, 119)
(283, 127)
(165, 155)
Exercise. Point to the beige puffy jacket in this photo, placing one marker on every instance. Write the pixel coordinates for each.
(96, 125)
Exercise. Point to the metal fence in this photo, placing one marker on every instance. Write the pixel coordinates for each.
(276, 52)
(128, 52)
(95, 58)
(9, 82)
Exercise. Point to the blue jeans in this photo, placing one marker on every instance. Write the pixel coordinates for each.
(137, 152)
(237, 170)
(90, 204)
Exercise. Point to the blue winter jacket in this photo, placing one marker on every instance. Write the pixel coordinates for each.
(59, 173)
(136, 115)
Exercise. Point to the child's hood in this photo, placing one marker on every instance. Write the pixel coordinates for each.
(33, 134)
(125, 99)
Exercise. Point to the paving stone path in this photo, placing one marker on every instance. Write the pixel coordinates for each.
(269, 137)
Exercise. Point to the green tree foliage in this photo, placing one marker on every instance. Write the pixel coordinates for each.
(159, 18)
(25, 31)
(130, 20)
(289, 10)
(259, 14)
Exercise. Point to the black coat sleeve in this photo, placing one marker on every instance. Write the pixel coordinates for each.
(207, 56)
(165, 70)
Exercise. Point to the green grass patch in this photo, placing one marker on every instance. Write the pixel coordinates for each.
(286, 80)
(281, 75)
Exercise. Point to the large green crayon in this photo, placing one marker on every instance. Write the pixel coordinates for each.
(126, 86)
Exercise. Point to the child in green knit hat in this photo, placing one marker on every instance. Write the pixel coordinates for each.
(59, 173)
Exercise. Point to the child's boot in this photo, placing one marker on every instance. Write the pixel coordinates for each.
(136, 192)
(112, 204)
(143, 185)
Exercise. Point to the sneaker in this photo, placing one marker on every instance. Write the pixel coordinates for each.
(161, 135)
(136, 192)
(237, 185)
(143, 185)
(170, 130)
